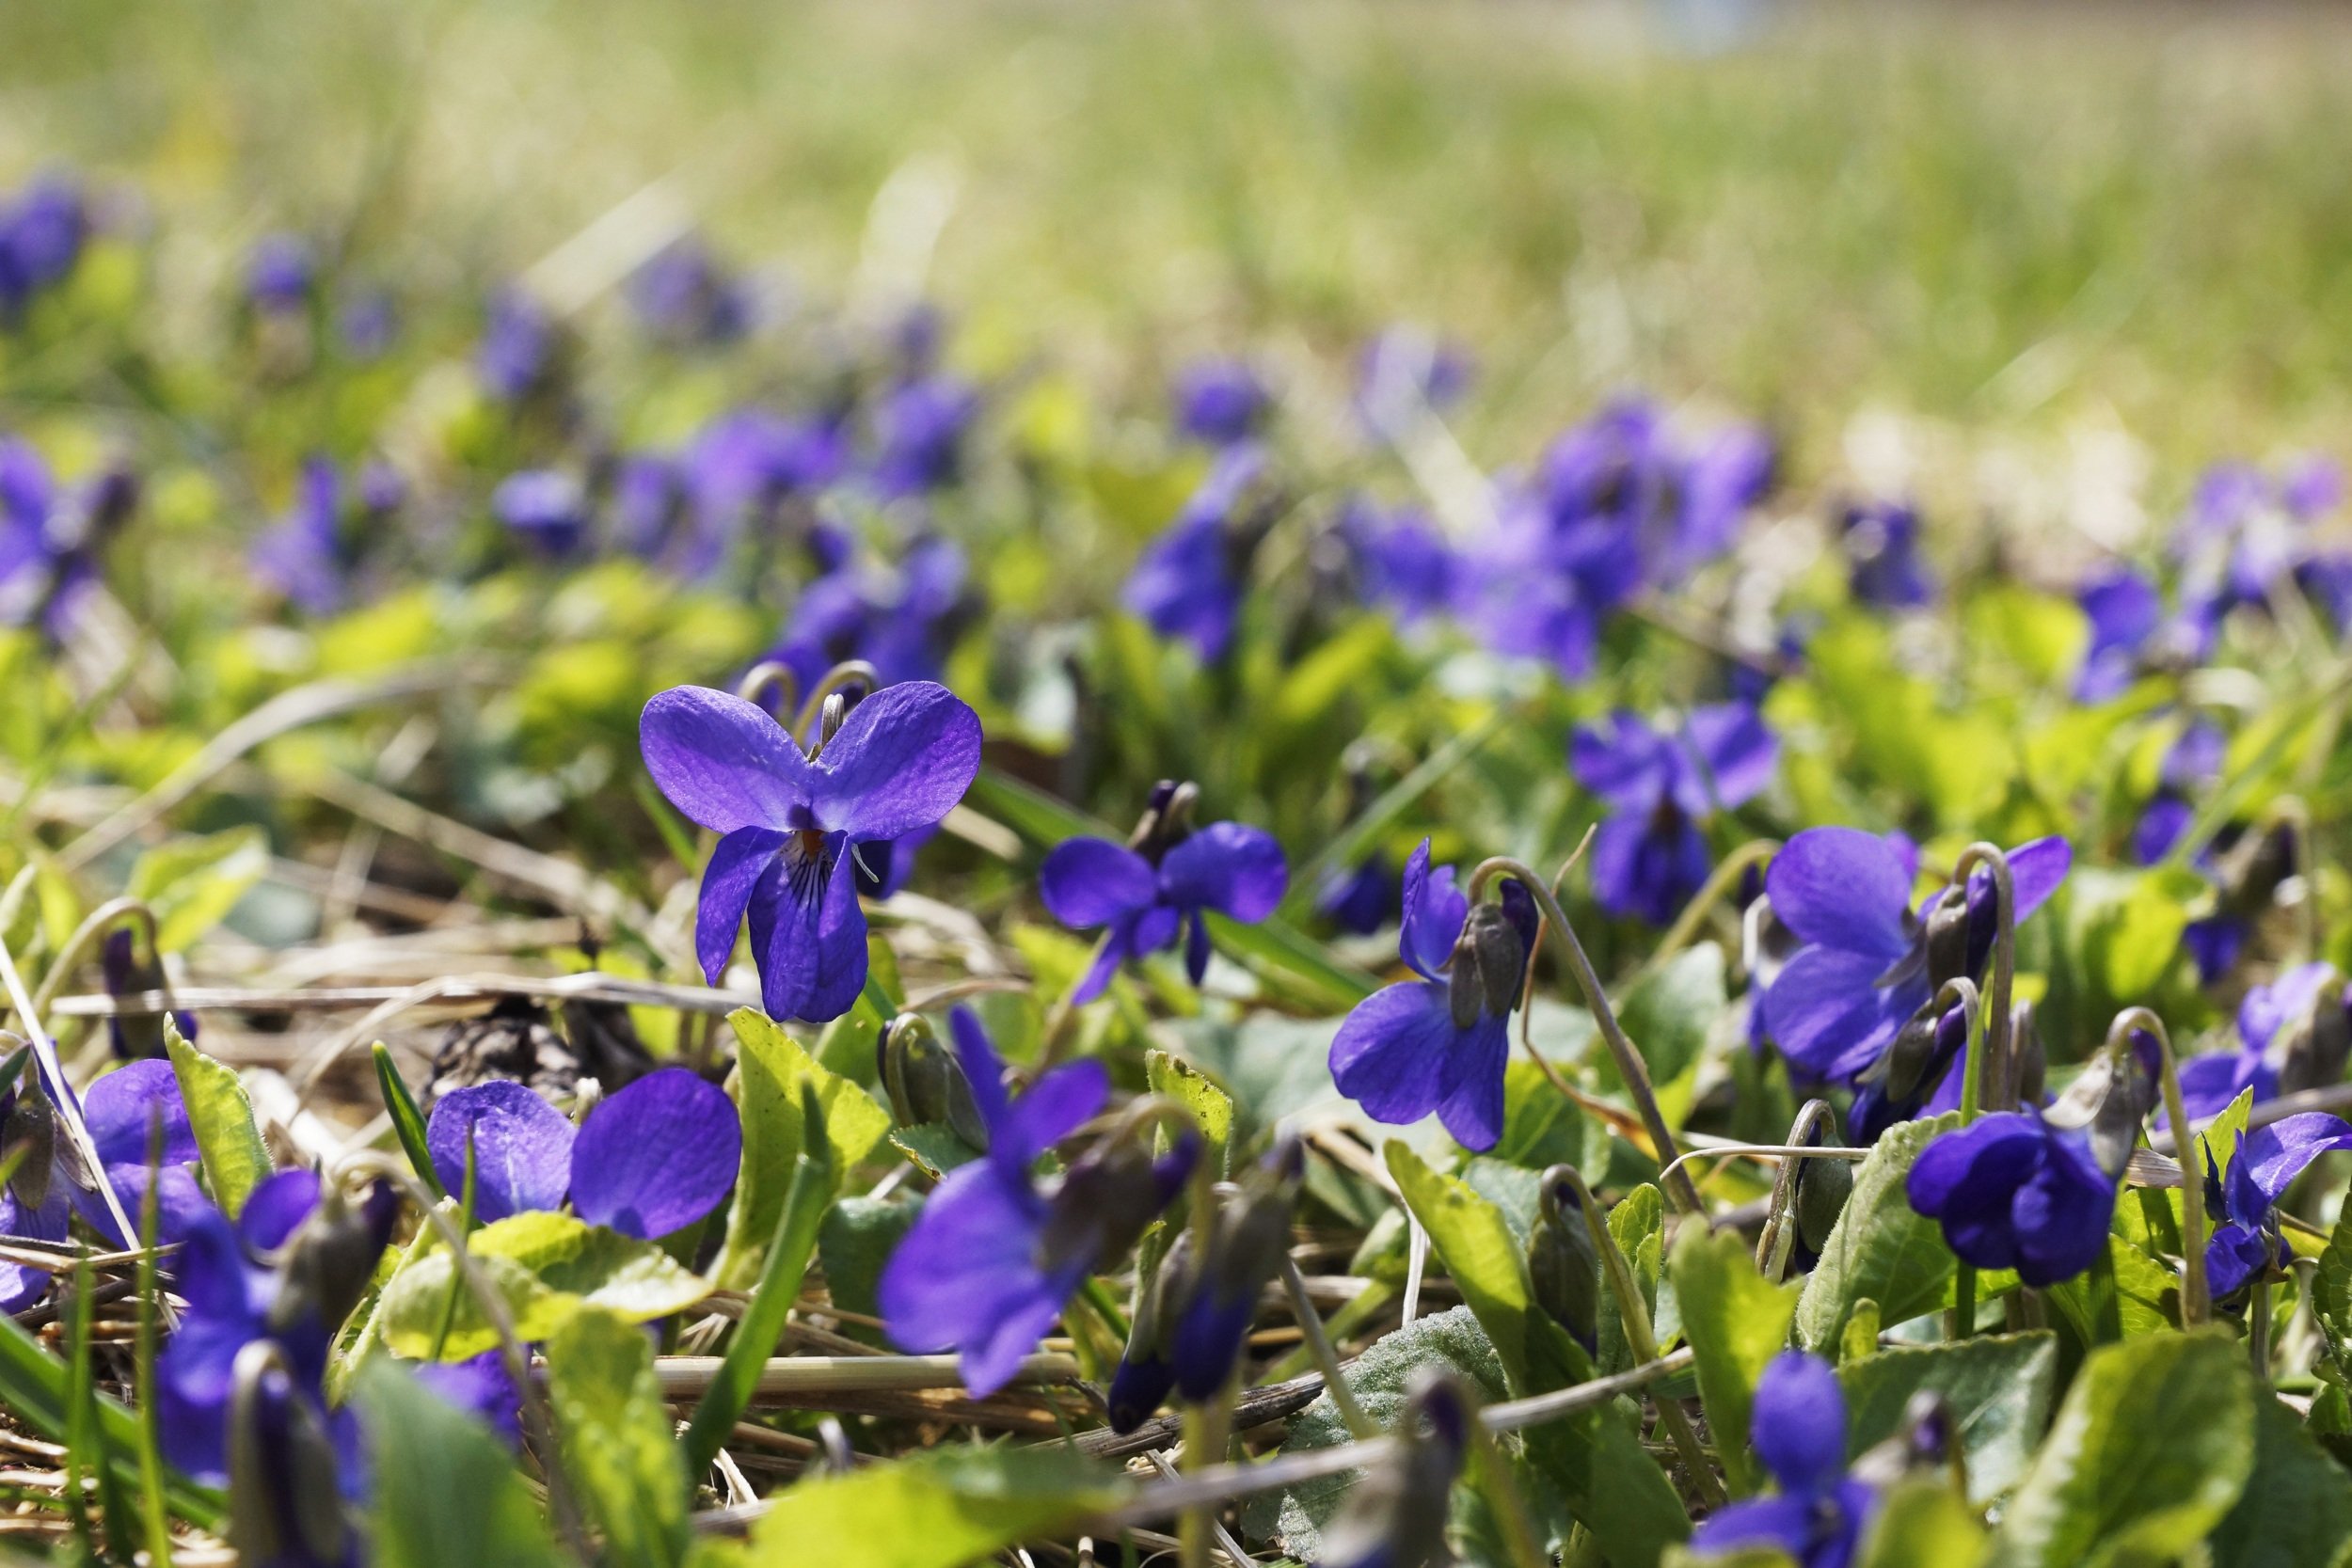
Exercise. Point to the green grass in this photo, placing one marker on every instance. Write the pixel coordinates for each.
(2006, 218)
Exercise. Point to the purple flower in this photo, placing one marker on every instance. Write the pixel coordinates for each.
(1868, 963)
(1146, 896)
(994, 1255)
(792, 823)
(131, 1036)
(1188, 585)
(1799, 1430)
(2013, 1192)
(902, 621)
(279, 274)
(517, 356)
(649, 1160)
(50, 1185)
(919, 434)
(685, 296)
(1440, 1044)
(1405, 371)
(1363, 899)
(1649, 857)
(2247, 1243)
(740, 468)
(482, 1386)
(2278, 1025)
(310, 554)
(2124, 611)
(545, 508)
(368, 324)
(43, 228)
(1400, 559)
(1220, 402)
(1882, 541)
(49, 538)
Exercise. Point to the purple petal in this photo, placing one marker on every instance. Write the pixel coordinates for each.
(2275, 1155)
(966, 1278)
(1236, 870)
(983, 1070)
(522, 1147)
(1434, 912)
(1117, 948)
(722, 761)
(2286, 999)
(121, 1106)
(1799, 1425)
(2063, 1215)
(1844, 889)
(903, 758)
(1471, 1087)
(809, 935)
(1626, 763)
(1828, 1014)
(275, 1206)
(482, 1387)
(1737, 756)
(20, 1285)
(2233, 1255)
(735, 869)
(1390, 1052)
(2208, 1084)
(1055, 1106)
(2035, 871)
(1788, 1523)
(658, 1156)
(1088, 882)
(179, 1203)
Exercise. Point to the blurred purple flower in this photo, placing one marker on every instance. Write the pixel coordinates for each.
(279, 272)
(685, 296)
(1798, 1428)
(1189, 583)
(1881, 544)
(1220, 402)
(1649, 857)
(517, 356)
(43, 228)
(545, 508)
(919, 434)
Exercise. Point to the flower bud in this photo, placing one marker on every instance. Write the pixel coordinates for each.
(1822, 1187)
(331, 1256)
(1147, 1370)
(29, 1140)
(924, 1083)
(1948, 927)
(1562, 1262)
(1110, 1192)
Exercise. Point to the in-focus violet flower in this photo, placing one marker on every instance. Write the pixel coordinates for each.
(2245, 1243)
(1161, 884)
(1440, 1042)
(49, 1185)
(793, 822)
(1220, 402)
(1189, 583)
(1882, 541)
(1870, 961)
(1798, 1428)
(2013, 1192)
(650, 1159)
(1649, 857)
(996, 1254)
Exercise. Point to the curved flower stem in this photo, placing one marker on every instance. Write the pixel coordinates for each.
(2196, 1301)
(1999, 1072)
(1719, 884)
(771, 674)
(853, 671)
(1628, 1060)
(536, 1416)
(1633, 1312)
(61, 968)
(1326, 1359)
(1774, 1245)
(1975, 1069)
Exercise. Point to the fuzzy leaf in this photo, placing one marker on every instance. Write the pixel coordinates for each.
(938, 1510)
(616, 1436)
(1879, 1249)
(546, 1267)
(445, 1492)
(1998, 1387)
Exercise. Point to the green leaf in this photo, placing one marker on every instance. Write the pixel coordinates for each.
(932, 1147)
(33, 1387)
(192, 883)
(2296, 1512)
(546, 1267)
(1453, 1341)
(444, 1491)
(235, 1159)
(2332, 1294)
(615, 1430)
(855, 1239)
(1474, 1241)
(1541, 1127)
(2150, 1451)
(1211, 1108)
(1635, 1223)
(1921, 1523)
(1879, 1248)
(1735, 1320)
(770, 1068)
(2144, 1294)
(408, 1121)
(1275, 1067)
(1670, 1011)
(2128, 924)
(939, 1509)
(1998, 1387)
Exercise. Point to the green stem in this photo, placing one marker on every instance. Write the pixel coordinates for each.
(1326, 1359)
(1720, 881)
(1999, 1072)
(2196, 1300)
(155, 1512)
(1628, 1060)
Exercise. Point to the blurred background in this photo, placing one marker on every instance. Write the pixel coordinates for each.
(2063, 250)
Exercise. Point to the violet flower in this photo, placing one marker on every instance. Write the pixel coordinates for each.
(919, 434)
(1363, 898)
(2124, 611)
(685, 296)
(649, 1160)
(2013, 1192)
(1649, 857)
(311, 553)
(49, 1185)
(134, 1036)
(902, 621)
(1189, 583)
(1799, 1430)
(516, 357)
(1399, 560)
(43, 230)
(994, 1255)
(49, 538)
(1146, 894)
(546, 509)
(1882, 541)
(793, 823)
(279, 274)
(1869, 964)
(1220, 402)
(1440, 1044)
(2245, 1243)
(2292, 1036)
